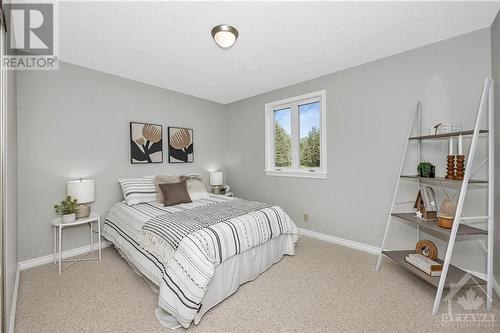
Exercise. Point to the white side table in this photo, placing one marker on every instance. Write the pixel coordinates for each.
(58, 226)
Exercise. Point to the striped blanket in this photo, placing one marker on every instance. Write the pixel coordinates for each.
(192, 259)
(162, 234)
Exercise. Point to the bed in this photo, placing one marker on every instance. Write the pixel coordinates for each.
(203, 267)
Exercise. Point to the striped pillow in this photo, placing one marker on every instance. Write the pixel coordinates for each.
(138, 190)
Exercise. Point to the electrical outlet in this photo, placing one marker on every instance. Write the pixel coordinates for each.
(306, 217)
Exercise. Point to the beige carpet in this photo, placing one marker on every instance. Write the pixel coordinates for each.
(324, 288)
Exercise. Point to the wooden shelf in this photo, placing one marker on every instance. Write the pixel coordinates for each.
(464, 231)
(452, 183)
(454, 276)
(445, 135)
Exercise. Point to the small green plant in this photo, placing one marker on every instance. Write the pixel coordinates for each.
(426, 169)
(67, 206)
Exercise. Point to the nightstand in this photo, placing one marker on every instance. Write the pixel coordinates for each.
(58, 227)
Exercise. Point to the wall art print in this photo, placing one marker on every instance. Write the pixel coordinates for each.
(180, 145)
(146, 143)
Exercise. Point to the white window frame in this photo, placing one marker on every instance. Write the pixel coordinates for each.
(293, 103)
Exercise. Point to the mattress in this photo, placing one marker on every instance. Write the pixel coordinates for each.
(185, 291)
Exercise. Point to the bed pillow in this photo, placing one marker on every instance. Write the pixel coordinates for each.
(162, 179)
(138, 190)
(195, 187)
(175, 193)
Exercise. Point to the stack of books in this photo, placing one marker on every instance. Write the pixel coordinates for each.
(425, 264)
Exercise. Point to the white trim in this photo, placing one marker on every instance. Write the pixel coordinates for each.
(495, 285)
(12, 318)
(65, 254)
(300, 174)
(340, 241)
(293, 103)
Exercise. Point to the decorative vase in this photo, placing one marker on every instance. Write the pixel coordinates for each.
(82, 211)
(67, 218)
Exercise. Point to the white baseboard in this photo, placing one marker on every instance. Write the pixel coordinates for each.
(495, 285)
(12, 319)
(66, 254)
(340, 241)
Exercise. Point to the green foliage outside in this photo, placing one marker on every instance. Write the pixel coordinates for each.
(309, 148)
(283, 147)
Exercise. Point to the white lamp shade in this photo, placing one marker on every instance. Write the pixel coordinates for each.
(216, 178)
(82, 190)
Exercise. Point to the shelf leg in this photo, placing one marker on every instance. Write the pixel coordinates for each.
(55, 246)
(461, 198)
(491, 196)
(387, 226)
(60, 248)
(381, 255)
(91, 238)
(447, 259)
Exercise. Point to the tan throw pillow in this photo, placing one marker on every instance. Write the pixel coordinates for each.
(160, 179)
(175, 193)
(195, 186)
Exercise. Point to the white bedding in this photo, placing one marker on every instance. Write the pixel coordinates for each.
(183, 285)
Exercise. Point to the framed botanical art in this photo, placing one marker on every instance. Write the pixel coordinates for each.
(180, 145)
(146, 143)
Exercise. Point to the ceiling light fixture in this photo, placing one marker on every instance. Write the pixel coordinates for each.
(225, 35)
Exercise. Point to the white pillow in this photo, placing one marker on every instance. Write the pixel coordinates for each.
(138, 190)
(196, 188)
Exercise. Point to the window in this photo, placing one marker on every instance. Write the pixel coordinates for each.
(296, 136)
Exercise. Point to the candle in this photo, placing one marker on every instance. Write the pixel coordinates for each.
(450, 150)
(460, 145)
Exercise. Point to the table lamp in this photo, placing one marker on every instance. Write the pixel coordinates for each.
(216, 181)
(83, 190)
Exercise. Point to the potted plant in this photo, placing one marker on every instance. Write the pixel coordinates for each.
(426, 169)
(66, 209)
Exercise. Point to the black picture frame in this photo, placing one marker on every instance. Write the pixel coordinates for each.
(176, 154)
(140, 153)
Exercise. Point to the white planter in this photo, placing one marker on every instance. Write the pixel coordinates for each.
(69, 218)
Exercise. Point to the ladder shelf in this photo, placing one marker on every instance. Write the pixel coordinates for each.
(445, 135)
(451, 275)
(464, 231)
(450, 183)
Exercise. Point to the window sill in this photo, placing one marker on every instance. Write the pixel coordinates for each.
(299, 174)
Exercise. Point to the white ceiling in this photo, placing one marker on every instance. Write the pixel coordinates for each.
(169, 45)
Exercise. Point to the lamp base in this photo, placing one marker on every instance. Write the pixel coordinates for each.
(82, 211)
(217, 189)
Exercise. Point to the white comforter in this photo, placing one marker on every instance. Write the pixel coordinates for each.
(189, 269)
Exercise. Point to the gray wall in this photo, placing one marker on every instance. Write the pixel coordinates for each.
(368, 114)
(74, 123)
(11, 223)
(495, 62)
